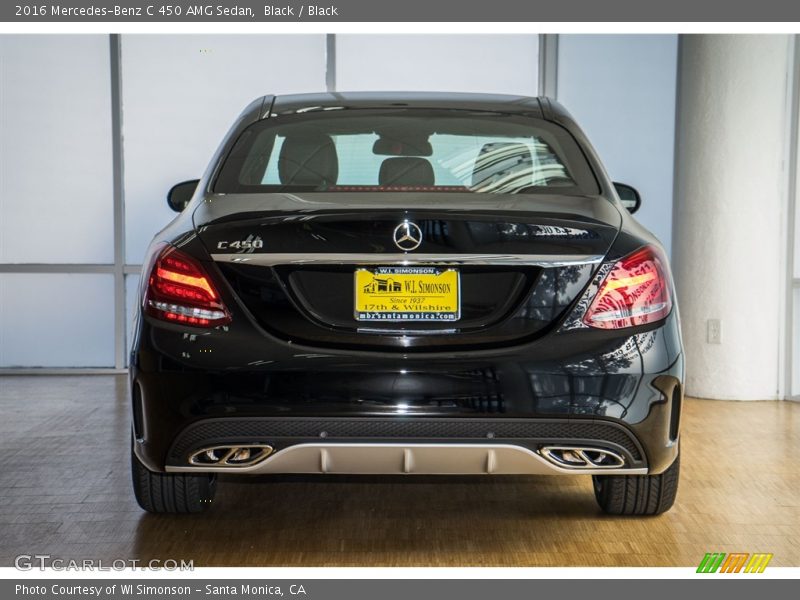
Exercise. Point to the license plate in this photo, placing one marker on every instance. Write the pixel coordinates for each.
(407, 294)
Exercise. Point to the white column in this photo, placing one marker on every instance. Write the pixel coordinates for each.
(730, 205)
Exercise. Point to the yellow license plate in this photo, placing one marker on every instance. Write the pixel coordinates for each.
(407, 294)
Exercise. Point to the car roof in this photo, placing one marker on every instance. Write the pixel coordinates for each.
(298, 103)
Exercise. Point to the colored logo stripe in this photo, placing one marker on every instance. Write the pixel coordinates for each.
(711, 562)
(734, 562)
(757, 563)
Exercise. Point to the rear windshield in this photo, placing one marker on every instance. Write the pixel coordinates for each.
(405, 150)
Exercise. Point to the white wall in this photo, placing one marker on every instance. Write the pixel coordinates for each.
(794, 341)
(55, 149)
(181, 93)
(621, 90)
(729, 255)
(505, 64)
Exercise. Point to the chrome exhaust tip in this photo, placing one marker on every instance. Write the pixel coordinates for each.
(582, 457)
(244, 455)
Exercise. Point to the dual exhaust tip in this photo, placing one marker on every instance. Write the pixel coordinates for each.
(230, 456)
(578, 457)
(564, 457)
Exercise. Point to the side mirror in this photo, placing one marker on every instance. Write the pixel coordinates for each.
(629, 196)
(181, 193)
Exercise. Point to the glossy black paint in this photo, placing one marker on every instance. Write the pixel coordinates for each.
(294, 351)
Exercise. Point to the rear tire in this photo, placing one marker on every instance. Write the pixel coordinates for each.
(638, 494)
(171, 493)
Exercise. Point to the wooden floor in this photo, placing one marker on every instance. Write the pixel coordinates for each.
(64, 491)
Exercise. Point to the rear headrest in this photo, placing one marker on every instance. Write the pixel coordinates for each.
(308, 160)
(501, 161)
(406, 170)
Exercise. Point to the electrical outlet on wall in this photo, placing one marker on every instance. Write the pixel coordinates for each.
(714, 331)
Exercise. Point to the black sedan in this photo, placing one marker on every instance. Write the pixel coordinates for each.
(406, 284)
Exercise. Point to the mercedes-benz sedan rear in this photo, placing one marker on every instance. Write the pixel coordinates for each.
(406, 284)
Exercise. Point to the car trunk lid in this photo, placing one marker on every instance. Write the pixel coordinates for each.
(515, 263)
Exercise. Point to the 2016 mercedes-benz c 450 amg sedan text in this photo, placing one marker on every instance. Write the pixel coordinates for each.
(406, 284)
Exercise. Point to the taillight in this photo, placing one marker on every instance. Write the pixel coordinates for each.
(180, 291)
(636, 291)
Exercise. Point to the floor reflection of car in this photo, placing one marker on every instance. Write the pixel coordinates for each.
(559, 352)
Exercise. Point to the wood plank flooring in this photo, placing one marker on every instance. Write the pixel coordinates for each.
(65, 491)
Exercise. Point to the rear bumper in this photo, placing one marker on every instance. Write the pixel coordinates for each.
(620, 393)
(407, 444)
(412, 459)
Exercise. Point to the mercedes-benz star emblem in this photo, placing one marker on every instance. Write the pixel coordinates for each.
(407, 236)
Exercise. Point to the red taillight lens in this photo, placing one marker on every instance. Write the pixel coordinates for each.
(180, 291)
(636, 291)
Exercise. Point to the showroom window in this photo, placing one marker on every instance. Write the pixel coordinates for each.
(57, 232)
(126, 117)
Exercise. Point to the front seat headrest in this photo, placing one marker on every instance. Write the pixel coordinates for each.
(308, 160)
(406, 170)
(502, 163)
